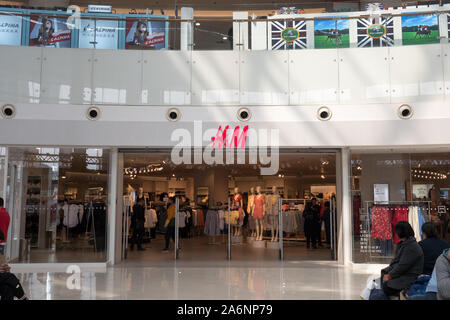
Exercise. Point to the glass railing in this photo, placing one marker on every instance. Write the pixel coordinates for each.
(283, 29)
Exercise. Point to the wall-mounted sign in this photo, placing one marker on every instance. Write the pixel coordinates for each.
(420, 191)
(375, 32)
(288, 35)
(420, 29)
(144, 34)
(381, 193)
(49, 32)
(99, 34)
(10, 30)
(99, 8)
(331, 34)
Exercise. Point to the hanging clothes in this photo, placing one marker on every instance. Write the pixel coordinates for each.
(413, 219)
(356, 215)
(400, 214)
(421, 220)
(212, 227)
(381, 227)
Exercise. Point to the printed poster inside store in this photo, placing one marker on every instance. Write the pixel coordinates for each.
(145, 34)
(420, 29)
(49, 32)
(375, 32)
(99, 34)
(288, 34)
(331, 34)
(10, 30)
(381, 193)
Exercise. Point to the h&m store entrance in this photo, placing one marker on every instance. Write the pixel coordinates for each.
(218, 212)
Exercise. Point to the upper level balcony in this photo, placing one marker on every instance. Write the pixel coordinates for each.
(385, 56)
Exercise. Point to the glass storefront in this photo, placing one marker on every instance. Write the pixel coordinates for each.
(258, 221)
(392, 187)
(57, 200)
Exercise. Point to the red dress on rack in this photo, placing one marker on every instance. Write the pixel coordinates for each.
(381, 228)
(400, 214)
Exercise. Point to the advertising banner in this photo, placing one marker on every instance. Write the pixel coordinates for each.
(10, 30)
(98, 34)
(421, 29)
(331, 34)
(288, 35)
(145, 34)
(448, 23)
(376, 32)
(49, 32)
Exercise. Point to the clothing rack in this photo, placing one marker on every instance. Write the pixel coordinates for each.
(404, 203)
(217, 208)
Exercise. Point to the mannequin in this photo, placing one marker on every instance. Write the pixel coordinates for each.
(238, 205)
(250, 205)
(129, 198)
(258, 212)
(274, 214)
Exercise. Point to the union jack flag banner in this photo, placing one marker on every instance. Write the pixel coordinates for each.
(448, 21)
(375, 32)
(288, 35)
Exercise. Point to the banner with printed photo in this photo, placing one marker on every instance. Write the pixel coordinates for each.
(10, 30)
(98, 34)
(331, 34)
(145, 34)
(448, 24)
(288, 34)
(49, 32)
(420, 29)
(376, 32)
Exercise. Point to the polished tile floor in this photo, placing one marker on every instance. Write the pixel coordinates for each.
(203, 272)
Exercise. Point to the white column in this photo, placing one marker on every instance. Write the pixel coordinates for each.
(259, 35)
(187, 33)
(353, 32)
(240, 31)
(119, 209)
(443, 28)
(112, 205)
(310, 34)
(344, 217)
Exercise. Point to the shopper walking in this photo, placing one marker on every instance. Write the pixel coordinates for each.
(432, 247)
(4, 225)
(443, 275)
(407, 264)
(170, 223)
(138, 222)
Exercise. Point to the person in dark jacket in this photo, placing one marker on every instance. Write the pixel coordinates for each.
(432, 247)
(327, 218)
(10, 286)
(138, 222)
(407, 264)
(312, 220)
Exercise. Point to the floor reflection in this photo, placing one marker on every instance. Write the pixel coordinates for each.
(304, 280)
